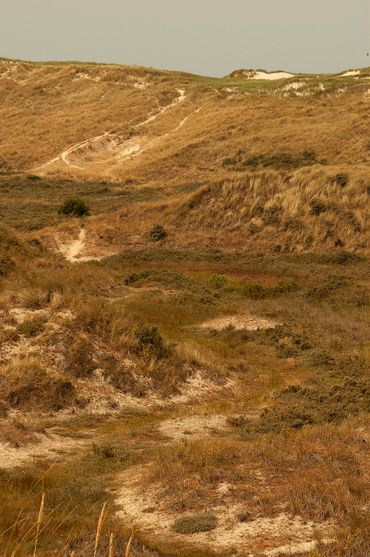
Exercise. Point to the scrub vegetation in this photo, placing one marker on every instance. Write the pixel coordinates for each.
(184, 314)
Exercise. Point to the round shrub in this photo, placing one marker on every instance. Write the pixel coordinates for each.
(157, 233)
(218, 281)
(74, 207)
(195, 523)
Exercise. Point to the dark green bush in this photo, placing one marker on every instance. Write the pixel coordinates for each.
(157, 233)
(74, 207)
(195, 523)
(151, 342)
(255, 291)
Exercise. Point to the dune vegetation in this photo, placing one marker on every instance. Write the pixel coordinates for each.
(184, 313)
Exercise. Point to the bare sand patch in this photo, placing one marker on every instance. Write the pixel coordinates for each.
(350, 73)
(294, 86)
(281, 534)
(272, 76)
(239, 322)
(48, 446)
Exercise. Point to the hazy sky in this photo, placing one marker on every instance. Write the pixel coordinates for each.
(211, 37)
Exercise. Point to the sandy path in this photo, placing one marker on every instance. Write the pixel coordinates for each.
(73, 251)
(120, 153)
(175, 102)
(65, 154)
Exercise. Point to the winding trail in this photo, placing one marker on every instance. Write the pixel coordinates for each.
(164, 109)
(128, 149)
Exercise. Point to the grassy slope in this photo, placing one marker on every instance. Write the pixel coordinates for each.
(310, 373)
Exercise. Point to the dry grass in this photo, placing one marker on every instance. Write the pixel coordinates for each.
(264, 197)
(57, 99)
(320, 477)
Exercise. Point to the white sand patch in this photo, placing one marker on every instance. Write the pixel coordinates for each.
(48, 447)
(272, 76)
(262, 536)
(83, 75)
(350, 73)
(20, 315)
(292, 549)
(72, 251)
(142, 84)
(12, 351)
(293, 86)
(239, 322)
(76, 251)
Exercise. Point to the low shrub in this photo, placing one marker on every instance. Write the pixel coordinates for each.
(157, 233)
(218, 281)
(242, 161)
(318, 206)
(31, 327)
(79, 358)
(340, 179)
(293, 224)
(195, 523)
(150, 342)
(271, 215)
(324, 402)
(258, 291)
(74, 207)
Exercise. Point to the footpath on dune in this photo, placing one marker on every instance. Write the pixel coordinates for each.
(104, 152)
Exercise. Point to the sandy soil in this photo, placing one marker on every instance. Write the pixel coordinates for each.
(239, 322)
(103, 153)
(77, 251)
(282, 534)
(48, 446)
(350, 73)
(272, 76)
(193, 426)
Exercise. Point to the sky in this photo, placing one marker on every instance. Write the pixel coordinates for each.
(209, 37)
